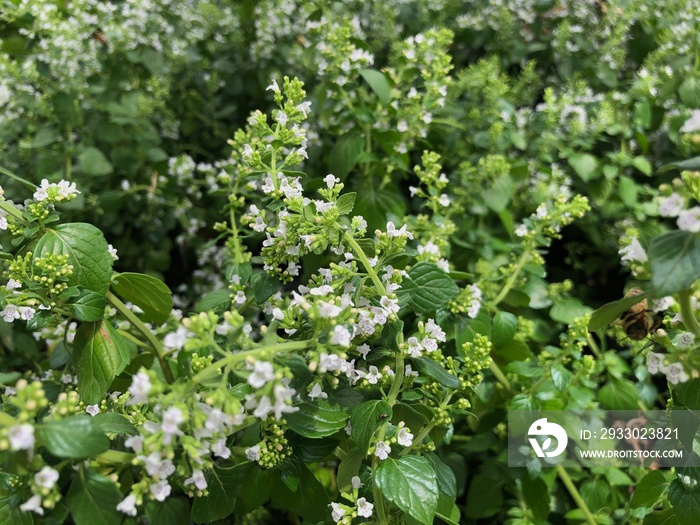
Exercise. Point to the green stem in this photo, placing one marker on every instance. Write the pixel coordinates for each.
(564, 476)
(18, 178)
(593, 346)
(69, 159)
(133, 339)
(6, 420)
(115, 456)
(365, 262)
(11, 210)
(426, 429)
(156, 347)
(512, 279)
(687, 314)
(259, 352)
(498, 374)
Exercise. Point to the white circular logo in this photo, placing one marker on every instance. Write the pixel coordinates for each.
(542, 428)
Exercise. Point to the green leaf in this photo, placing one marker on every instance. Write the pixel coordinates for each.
(686, 503)
(113, 423)
(689, 92)
(433, 369)
(661, 517)
(585, 165)
(675, 262)
(567, 309)
(86, 249)
(484, 497)
(214, 300)
(561, 377)
(348, 468)
(642, 164)
(100, 354)
(74, 437)
(536, 496)
(148, 293)
(499, 194)
(504, 327)
(379, 84)
(411, 484)
(173, 511)
(264, 285)
(317, 419)
(427, 288)
(609, 312)
(346, 203)
(689, 164)
(13, 516)
(224, 483)
(93, 498)
(93, 162)
(375, 205)
(90, 306)
(309, 500)
(447, 483)
(619, 394)
(366, 418)
(345, 154)
(46, 136)
(649, 489)
(628, 191)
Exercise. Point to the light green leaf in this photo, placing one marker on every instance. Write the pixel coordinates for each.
(536, 496)
(567, 309)
(348, 468)
(607, 313)
(426, 288)
(346, 203)
(433, 369)
(619, 394)
(689, 91)
(411, 484)
(93, 498)
(74, 437)
(675, 262)
(93, 162)
(214, 300)
(90, 306)
(148, 293)
(642, 164)
(366, 418)
(86, 249)
(46, 136)
(379, 84)
(585, 165)
(318, 419)
(99, 354)
(649, 489)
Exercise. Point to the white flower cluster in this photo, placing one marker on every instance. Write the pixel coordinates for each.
(429, 343)
(55, 192)
(675, 373)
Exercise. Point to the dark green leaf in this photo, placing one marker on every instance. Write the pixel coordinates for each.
(411, 484)
(148, 293)
(346, 203)
(619, 394)
(214, 300)
(675, 262)
(433, 369)
(224, 484)
(73, 437)
(348, 468)
(504, 327)
(86, 249)
(607, 313)
(309, 500)
(379, 84)
(264, 285)
(376, 205)
(686, 502)
(661, 517)
(366, 418)
(114, 424)
(317, 419)
(173, 511)
(345, 154)
(427, 288)
(90, 306)
(536, 496)
(649, 489)
(46, 136)
(484, 497)
(100, 354)
(93, 162)
(447, 483)
(13, 516)
(93, 498)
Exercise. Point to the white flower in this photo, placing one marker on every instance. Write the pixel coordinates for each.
(26, 313)
(693, 123)
(21, 437)
(282, 395)
(633, 252)
(12, 285)
(157, 466)
(197, 479)
(330, 180)
(685, 340)
(391, 231)
(338, 512)
(663, 304)
(676, 374)
(689, 220)
(364, 349)
(414, 347)
(135, 443)
(263, 372)
(317, 392)
(93, 410)
(128, 505)
(172, 418)
(328, 310)
(341, 336)
(373, 376)
(521, 231)
(444, 200)
(382, 450)
(671, 206)
(139, 389)
(541, 211)
(434, 330)
(3, 223)
(220, 449)
(46, 478)
(356, 482)
(655, 363)
(281, 117)
(41, 193)
(113, 252)
(273, 87)
(33, 504)
(10, 313)
(475, 303)
(160, 490)
(364, 508)
(253, 453)
(240, 297)
(404, 437)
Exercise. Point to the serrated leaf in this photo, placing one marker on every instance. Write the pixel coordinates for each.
(649, 489)
(318, 419)
(93, 498)
(99, 355)
(427, 288)
(567, 309)
(411, 484)
(214, 300)
(366, 418)
(609, 312)
(447, 483)
(561, 377)
(91, 161)
(433, 369)
(619, 394)
(348, 468)
(661, 517)
(379, 84)
(89, 306)
(86, 249)
(675, 262)
(148, 293)
(346, 202)
(74, 437)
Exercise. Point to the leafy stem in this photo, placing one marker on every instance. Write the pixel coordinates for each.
(512, 279)
(156, 347)
(575, 494)
(365, 262)
(687, 314)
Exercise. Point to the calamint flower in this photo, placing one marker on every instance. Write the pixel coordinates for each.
(364, 508)
(128, 505)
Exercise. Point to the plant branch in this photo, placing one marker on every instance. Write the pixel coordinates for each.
(524, 257)
(687, 314)
(575, 494)
(365, 262)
